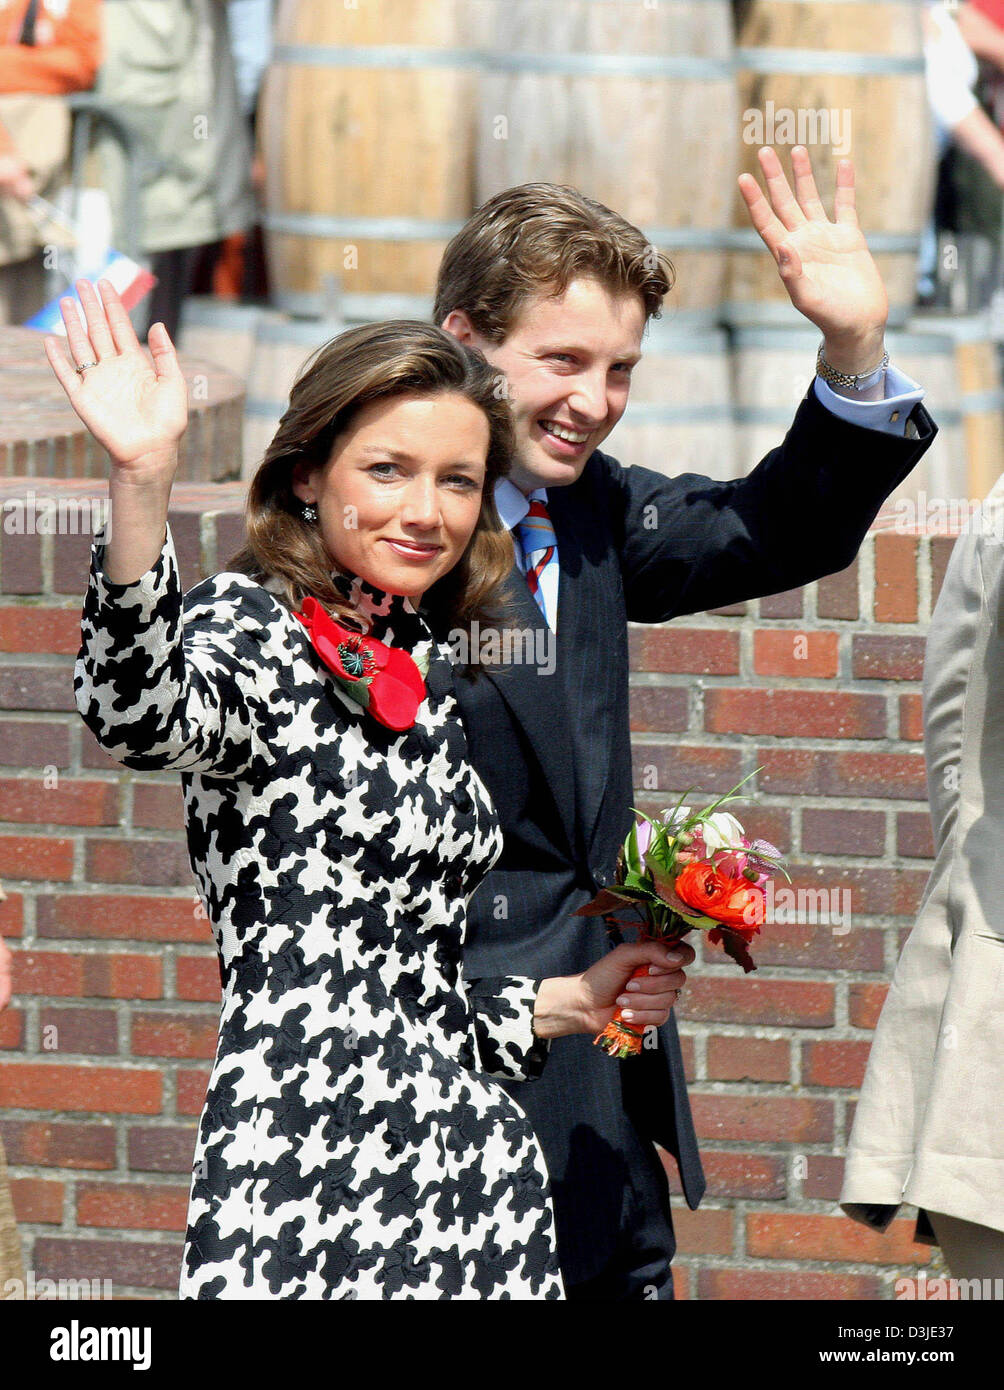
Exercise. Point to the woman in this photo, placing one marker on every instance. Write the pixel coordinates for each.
(350, 1145)
(927, 1128)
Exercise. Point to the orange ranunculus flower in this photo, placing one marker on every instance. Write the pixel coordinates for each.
(735, 902)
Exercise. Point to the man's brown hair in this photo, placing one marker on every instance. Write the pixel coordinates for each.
(536, 239)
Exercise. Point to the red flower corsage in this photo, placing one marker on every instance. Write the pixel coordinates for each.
(384, 680)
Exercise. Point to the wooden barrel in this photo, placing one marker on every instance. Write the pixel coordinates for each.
(367, 134)
(679, 417)
(281, 347)
(773, 368)
(981, 395)
(843, 78)
(633, 104)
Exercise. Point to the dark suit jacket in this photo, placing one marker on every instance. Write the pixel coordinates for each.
(555, 753)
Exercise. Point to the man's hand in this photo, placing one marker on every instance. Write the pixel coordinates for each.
(6, 960)
(826, 266)
(15, 177)
(586, 1003)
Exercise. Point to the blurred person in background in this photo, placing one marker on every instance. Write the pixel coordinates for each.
(964, 50)
(169, 71)
(927, 1127)
(47, 48)
(239, 271)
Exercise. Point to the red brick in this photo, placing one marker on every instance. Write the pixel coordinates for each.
(911, 717)
(191, 1085)
(706, 1231)
(79, 1030)
(20, 564)
(802, 1236)
(834, 1063)
(787, 604)
(159, 863)
(12, 914)
(38, 629)
(843, 832)
(756, 1177)
(34, 743)
(815, 945)
(837, 594)
(770, 1003)
(161, 1148)
(788, 652)
(842, 772)
(895, 579)
(762, 1119)
(124, 916)
(132, 1206)
(119, 976)
(795, 713)
(748, 1059)
(709, 770)
(11, 1028)
(914, 835)
(59, 1144)
(825, 1177)
(174, 1035)
(37, 1199)
(28, 801)
(661, 709)
(128, 1264)
(198, 977)
(50, 1086)
(877, 656)
(35, 857)
(864, 1004)
(685, 650)
(785, 1286)
(158, 806)
(941, 551)
(24, 687)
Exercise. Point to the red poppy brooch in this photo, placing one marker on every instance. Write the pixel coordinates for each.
(385, 680)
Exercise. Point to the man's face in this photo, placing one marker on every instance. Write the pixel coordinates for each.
(568, 363)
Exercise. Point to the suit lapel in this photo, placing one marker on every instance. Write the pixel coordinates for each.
(587, 650)
(537, 702)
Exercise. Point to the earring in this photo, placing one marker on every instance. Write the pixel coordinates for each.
(309, 512)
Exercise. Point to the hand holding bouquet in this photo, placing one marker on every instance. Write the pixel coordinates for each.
(687, 870)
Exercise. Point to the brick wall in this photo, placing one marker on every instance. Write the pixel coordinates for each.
(107, 1044)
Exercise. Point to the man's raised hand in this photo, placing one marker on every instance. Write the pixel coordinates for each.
(826, 266)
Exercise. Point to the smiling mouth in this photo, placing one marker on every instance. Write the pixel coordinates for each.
(563, 432)
(416, 549)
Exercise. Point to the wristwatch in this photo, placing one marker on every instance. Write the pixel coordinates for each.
(860, 381)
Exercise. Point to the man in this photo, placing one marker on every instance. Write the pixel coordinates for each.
(556, 291)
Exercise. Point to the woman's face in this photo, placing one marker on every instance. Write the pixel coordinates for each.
(399, 498)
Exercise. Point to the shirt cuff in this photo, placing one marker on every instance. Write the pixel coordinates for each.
(889, 415)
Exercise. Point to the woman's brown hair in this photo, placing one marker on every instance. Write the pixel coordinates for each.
(369, 363)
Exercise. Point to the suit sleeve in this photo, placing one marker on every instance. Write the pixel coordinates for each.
(166, 681)
(690, 543)
(503, 1024)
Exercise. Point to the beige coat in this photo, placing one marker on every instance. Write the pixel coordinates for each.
(928, 1128)
(169, 70)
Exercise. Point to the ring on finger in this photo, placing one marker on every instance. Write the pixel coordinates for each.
(84, 366)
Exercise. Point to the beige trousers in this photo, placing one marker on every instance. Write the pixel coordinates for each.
(970, 1251)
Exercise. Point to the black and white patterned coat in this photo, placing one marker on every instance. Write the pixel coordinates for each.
(352, 1143)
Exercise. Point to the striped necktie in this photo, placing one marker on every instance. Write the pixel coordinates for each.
(536, 536)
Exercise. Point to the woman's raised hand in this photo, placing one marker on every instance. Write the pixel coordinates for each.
(136, 409)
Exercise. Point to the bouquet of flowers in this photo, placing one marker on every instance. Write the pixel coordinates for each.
(687, 870)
